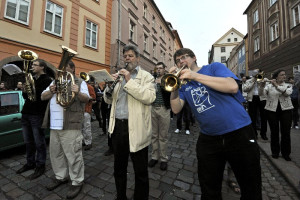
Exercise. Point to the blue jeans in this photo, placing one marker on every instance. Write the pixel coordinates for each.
(240, 150)
(34, 138)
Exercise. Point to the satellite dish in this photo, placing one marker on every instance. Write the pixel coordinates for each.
(12, 69)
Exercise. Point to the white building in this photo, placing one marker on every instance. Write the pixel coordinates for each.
(220, 50)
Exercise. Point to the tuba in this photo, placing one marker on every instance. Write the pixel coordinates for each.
(63, 97)
(171, 82)
(28, 56)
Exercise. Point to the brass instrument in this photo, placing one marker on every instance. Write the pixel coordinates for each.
(63, 97)
(171, 82)
(85, 76)
(28, 57)
(112, 86)
(260, 77)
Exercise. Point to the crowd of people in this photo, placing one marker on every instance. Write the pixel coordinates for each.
(137, 115)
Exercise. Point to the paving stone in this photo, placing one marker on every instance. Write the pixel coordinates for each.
(182, 185)
(155, 193)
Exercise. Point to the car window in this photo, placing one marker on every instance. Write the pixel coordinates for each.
(9, 104)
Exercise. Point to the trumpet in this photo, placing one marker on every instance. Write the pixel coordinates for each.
(113, 85)
(28, 57)
(171, 82)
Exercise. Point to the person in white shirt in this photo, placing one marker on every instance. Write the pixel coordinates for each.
(65, 134)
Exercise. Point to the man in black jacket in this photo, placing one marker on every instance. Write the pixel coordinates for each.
(160, 116)
(32, 118)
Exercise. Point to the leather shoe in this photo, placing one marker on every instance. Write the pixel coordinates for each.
(275, 156)
(88, 147)
(25, 168)
(163, 166)
(264, 137)
(55, 184)
(287, 158)
(40, 170)
(152, 163)
(109, 152)
(73, 191)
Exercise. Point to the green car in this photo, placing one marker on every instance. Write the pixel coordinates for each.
(11, 105)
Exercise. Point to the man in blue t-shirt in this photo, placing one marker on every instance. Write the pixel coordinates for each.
(226, 133)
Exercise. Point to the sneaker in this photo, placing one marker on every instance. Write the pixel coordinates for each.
(40, 170)
(177, 131)
(296, 127)
(74, 191)
(25, 168)
(55, 184)
(152, 163)
(187, 132)
(163, 166)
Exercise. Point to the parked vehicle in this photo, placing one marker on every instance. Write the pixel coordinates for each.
(11, 105)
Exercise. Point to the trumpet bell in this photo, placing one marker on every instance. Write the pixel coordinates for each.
(84, 76)
(170, 82)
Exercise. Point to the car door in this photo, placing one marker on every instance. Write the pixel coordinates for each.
(11, 104)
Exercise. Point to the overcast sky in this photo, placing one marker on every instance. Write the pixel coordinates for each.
(200, 23)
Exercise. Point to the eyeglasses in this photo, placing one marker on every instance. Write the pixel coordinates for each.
(181, 58)
(35, 65)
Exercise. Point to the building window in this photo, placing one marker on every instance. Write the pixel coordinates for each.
(132, 31)
(272, 2)
(163, 35)
(145, 11)
(256, 44)
(296, 15)
(223, 49)
(91, 33)
(162, 56)
(18, 10)
(296, 69)
(53, 19)
(133, 1)
(153, 22)
(146, 42)
(255, 16)
(274, 31)
(223, 59)
(235, 39)
(228, 40)
(154, 50)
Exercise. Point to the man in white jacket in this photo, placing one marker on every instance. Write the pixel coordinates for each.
(130, 123)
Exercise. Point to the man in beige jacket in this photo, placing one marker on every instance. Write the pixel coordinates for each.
(130, 123)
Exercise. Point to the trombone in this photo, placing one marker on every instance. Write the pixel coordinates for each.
(85, 76)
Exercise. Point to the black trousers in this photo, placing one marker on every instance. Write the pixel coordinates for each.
(254, 106)
(280, 120)
(120, 141)
(240, 150)
(295, 112)
(184, 114)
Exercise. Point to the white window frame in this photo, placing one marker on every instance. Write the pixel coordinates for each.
(17, 13)
(224, 49)
(145, 10)
(274, 31)
(256, 44)
(255, 16)
(92, 32)
(146, 42)
(132, 30)
(154, 50)
(223, 59)
(296, 68)
(53, 18)
(296, 15)
(272, 2)
(153, 21)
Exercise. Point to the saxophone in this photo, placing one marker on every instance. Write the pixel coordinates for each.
(63, 97)
(28, 57)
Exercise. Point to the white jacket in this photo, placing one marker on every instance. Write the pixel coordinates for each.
(281, 93)
(248, 87)
(141, 93)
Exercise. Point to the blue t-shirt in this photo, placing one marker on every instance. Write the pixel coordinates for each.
(217, 113)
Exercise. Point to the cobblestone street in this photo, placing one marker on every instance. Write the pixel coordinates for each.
(180, 181)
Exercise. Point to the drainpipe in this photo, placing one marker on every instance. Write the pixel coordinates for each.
(119, 32)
